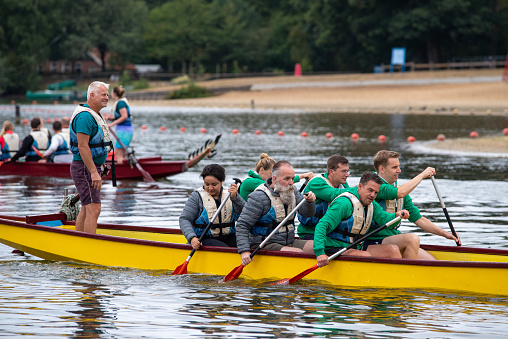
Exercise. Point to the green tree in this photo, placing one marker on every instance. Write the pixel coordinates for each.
(25, 28)
(180, 30)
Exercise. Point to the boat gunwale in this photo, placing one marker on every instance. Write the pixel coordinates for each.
(413, 262)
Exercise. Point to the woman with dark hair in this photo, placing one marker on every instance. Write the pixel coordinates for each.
(121, 116)
(203, 204)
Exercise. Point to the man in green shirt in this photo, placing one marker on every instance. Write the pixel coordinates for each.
(391, 198)
(326, 187)
(348, 217)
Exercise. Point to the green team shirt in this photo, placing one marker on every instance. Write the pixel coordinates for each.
(389, 192)
(85, 123)
(342, 209)
(323, 192)
(252, 182)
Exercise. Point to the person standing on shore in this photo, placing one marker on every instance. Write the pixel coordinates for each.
(90, 144)
(9, 141)
(121, 116)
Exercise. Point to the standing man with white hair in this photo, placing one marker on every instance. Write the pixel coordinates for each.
(90, 144)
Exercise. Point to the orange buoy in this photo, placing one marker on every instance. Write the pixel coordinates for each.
(473, 134)
(55, 119)
(411, 138)
(441, 137)
(55, 102)
(329, 135)
(305, 134)
(183, 129)
(203, 130)
(258, 132)
(280, 133)
(25, 121)
(355, 136)
(381, 138)
(49, 120)
(143, 127)
(505, 131)
(236, 131)
(163, 128)
(34, 102)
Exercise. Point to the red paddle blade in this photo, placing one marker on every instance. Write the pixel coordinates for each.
(234, 274)
(285, 282)
(182, 269)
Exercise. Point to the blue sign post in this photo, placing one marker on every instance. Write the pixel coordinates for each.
(398, 58)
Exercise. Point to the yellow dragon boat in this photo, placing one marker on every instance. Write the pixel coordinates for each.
(475, 271)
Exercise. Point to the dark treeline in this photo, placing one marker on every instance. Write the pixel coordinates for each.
(200, 36)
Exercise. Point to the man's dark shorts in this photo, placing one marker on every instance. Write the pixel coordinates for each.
(368, 242)
(83, 181)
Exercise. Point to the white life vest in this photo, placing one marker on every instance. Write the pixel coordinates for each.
(98, 118)
(278, 208)
(12, 141)
(42, 140)
(225, 217)
(395, 205)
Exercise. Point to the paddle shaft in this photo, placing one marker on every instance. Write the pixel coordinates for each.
(145, 174)
(277, 228)
(444, 209)
(209, 224)
(362, 239)
(336, 254)
(304, 184)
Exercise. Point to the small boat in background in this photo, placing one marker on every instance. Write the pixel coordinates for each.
(474, 271)
(157, 167)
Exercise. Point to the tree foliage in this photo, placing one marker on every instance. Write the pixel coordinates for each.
(244, 35)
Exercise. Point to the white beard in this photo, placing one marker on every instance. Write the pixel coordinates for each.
(286, 193)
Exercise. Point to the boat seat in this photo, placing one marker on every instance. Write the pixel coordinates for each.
(52, 220)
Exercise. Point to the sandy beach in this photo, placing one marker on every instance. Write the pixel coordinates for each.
(457, 92)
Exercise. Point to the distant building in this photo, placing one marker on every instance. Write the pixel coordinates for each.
(90, 64)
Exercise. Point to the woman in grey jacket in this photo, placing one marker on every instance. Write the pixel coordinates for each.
(203, 204)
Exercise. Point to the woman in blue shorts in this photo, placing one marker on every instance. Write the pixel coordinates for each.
(121, 116)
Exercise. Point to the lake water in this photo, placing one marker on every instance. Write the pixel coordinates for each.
(52, 299)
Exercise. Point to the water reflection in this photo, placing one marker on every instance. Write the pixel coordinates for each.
(90, 315)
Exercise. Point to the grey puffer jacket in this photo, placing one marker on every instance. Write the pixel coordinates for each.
(258, 204)
(193, 209)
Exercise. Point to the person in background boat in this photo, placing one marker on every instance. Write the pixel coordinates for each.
(45, 130)
(9, 141)
(66, 125)
(349, 217)
(121, 116)
(59, 150)
(392, 197)
(34, 145)
(90, 144)
(266, 207)
(263, 171)
(326, 187)
(203, 204)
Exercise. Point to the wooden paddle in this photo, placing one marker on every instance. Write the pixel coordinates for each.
(445, 210)
(146, 176)
(182, 269)
(235, 273)
(335, 255)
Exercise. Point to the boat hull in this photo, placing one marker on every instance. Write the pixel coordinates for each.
(155, 166)
(165, 249)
